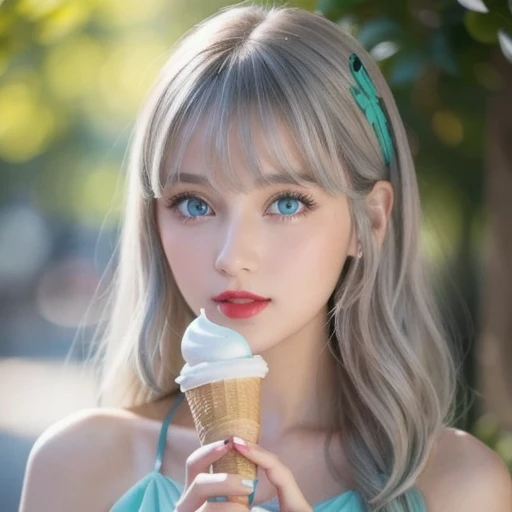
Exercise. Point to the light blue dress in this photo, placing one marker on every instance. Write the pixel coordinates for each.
(159, 493)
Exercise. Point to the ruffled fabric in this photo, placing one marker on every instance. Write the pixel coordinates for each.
(159, 493)
(348, 501)
(154, 493)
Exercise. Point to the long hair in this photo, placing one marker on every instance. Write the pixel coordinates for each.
(249, 66)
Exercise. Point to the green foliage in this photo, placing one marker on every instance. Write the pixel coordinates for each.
(491, 23)
(487, 429)
(334, 9)
(441, 75)
(483, 27)
(442, 54)
(72, 76)
(378, 29)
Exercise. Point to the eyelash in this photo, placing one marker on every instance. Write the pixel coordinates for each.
(306, 200)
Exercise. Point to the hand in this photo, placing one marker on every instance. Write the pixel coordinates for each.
(289, 495)
(200, 484)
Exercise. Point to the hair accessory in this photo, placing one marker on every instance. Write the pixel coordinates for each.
(365, 94)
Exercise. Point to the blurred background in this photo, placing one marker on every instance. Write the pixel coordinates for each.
(72, 76)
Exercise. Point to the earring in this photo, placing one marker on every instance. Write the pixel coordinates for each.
(359, 252)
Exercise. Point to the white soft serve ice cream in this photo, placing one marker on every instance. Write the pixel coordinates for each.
(213, 353)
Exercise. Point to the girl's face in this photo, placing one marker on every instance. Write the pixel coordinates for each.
(284, 242)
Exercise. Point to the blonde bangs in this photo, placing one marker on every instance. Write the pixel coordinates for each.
(235, 101)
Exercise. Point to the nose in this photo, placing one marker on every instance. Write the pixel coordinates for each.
(239, 248)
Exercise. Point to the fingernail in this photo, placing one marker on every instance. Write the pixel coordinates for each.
(222, 447)
(240, 445)
(251, 496)
(248, 483)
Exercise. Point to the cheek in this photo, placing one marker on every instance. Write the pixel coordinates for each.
(186, 258)
(312, 259)
(185, 253)
(183, 250)
(190, 266)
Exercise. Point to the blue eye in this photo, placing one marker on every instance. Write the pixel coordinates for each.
(287, 205)
(290, 205)
(194, 207)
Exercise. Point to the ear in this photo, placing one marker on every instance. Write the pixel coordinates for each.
(380, 203)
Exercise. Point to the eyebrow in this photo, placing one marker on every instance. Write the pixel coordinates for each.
(281, 178)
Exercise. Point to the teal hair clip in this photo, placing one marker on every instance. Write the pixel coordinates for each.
(365, 94)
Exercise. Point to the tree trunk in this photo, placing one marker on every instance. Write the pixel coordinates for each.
(495, 341)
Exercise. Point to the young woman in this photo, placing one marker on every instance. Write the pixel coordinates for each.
(270, 165)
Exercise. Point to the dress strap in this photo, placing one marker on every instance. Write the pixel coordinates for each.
(163, 432)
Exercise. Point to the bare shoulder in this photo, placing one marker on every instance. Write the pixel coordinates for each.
(74, 456)
(464, 474)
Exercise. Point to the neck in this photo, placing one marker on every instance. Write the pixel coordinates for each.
(300, 387)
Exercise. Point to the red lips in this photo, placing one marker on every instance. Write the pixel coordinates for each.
(254, 305)
(238, 294)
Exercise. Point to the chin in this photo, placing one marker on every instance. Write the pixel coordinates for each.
(260, 349)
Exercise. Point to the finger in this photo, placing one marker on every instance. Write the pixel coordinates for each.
(222, 507)
(201, 459)
(289, 494)
(209, 485)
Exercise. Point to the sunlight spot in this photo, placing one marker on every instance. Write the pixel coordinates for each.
(38, 393)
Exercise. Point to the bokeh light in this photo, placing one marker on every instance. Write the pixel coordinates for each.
(36, 393)
(129, 69)
(384, 50)
(27, 125)
(448, 127)
(25, 245)
(64, 293)
(38, 9)
(442, 221)
(60, 22)
(71, 68)
(126, 13)
(97, 194)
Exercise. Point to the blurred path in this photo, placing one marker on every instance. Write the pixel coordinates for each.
(38, 324)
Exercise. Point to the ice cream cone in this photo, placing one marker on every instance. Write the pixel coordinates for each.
(228, 408)
(221, 379)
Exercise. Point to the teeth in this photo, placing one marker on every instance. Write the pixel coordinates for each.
(240, 301)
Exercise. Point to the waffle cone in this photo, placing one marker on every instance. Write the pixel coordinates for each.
(228, 408)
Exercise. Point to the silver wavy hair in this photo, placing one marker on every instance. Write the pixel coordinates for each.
(272, 65)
